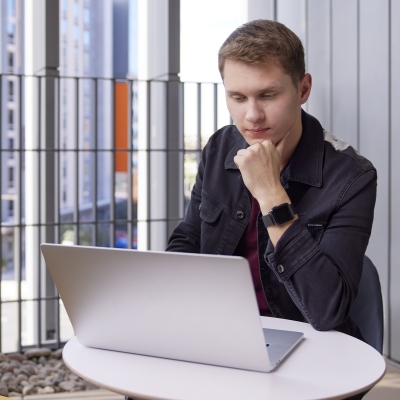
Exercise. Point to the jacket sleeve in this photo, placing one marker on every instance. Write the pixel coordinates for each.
(186, 236)
(322, 279)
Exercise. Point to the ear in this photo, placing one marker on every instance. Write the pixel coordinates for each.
(305, 88)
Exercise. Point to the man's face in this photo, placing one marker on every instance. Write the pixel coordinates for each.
(263, 101)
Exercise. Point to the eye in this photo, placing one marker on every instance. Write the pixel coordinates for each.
(267, 95)
(238, 98)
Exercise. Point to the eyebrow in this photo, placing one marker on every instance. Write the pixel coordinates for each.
(267, 89)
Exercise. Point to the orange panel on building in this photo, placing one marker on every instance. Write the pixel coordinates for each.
(121, 126)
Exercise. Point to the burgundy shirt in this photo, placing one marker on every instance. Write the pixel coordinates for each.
(248, 248)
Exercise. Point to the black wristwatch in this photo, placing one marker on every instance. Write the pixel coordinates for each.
(279, 215)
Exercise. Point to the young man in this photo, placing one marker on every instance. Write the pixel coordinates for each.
(278, 189)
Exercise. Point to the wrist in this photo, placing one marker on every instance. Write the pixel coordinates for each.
(268, 202)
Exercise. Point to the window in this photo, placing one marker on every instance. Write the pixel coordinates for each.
(10, 90)
(11, 213)
(86, 38)
(11, 119)
(11, 7)
(10, 59)
(63, 27)
(11, 31)
(11, 147)
(10, 177)
(86, 16)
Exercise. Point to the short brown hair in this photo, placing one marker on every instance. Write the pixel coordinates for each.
(262, 41)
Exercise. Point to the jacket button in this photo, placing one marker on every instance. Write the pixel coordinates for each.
(240, 214)
(280, 268)
(200, 206)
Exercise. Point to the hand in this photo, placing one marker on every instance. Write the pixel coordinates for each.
(260, 165)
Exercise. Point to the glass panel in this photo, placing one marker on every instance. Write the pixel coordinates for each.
(9, 332)
(223, 113)
(190, 116)
(104, 171)
(29, 311)
(67, 234)
(121, 236)
(103, 235)
(207, 112)
(86, 235)
(66, 329)
(190, 171)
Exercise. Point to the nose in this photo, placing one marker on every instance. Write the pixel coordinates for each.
(254, 112)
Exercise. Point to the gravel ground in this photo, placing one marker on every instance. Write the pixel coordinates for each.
(37, 371)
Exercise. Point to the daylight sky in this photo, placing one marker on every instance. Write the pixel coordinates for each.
(204, 27)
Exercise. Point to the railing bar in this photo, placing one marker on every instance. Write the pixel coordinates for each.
(1, 214)
(19, 213)
(39, 308)
(101, 222)
(215, 107)
(167, 157)
(148, 164)
(76, 205)
(112, 183)
(129, 226)
(55, 150)
(198, 119)
(95, 164)
(58, 202)
(101, 78)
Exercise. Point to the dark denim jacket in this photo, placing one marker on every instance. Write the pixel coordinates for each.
(320, 256)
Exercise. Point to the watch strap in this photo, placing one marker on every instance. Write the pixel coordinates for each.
(270, 220)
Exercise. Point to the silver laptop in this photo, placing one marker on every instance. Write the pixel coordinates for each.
(190, 307)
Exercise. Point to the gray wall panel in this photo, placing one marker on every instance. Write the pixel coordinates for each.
(395, 187)
(374, 125)
(293, 13)
(350, 55)
(345, 71)
(319, 54)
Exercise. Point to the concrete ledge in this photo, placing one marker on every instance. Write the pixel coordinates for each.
(100, 394)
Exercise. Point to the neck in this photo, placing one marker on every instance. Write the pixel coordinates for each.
(292, 142)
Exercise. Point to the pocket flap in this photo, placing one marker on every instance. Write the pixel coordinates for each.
(209, 211)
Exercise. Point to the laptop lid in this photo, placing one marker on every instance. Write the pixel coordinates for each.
(190, 307)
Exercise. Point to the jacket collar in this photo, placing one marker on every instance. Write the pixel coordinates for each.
(305, 165)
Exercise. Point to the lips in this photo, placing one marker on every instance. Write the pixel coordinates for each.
(257, 131)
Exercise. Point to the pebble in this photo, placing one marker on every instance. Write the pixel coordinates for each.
(39, 352)
(57, 354)
(45, 390)
(3, 390)
(67, 385)
(38, 371)
(16, 356)
(28, 389)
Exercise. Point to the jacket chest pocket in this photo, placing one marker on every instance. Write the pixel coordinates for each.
(210, 212)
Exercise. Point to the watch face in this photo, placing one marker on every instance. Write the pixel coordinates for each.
(282, 213)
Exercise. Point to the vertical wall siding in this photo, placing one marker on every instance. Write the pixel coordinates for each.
(319, 57)
(353, 53)
(394, 277)
(374, 126)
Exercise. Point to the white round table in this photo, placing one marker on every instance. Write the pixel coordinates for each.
(325, 365)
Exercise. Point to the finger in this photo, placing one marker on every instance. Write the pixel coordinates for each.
(235, 160)
(281, 144)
